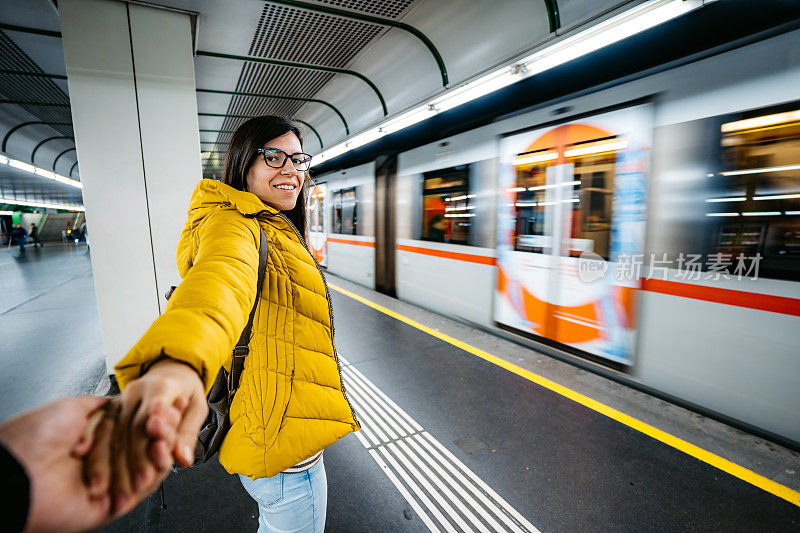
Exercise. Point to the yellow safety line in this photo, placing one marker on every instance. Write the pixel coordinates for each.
(714, 460)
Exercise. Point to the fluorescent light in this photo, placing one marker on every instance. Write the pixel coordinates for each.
(565, 184)
(731, 199)
(13, 201)
(464, 197)
(465, 208)
(525, 204)
(534, 158)
(760, 122)
(777, 197)
(364, 138)
(516, 189)
(635, 20)
(475, 89)
(722, 214)
(45, 173)
(615, 29)
(760, 170)
(596, 148)
(395, 124)
(407, 119)
(459, 215)
(761, 213)
(20, 165)
(792, 213)
(8, 213)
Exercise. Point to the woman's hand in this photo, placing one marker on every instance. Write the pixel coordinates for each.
(159, 417)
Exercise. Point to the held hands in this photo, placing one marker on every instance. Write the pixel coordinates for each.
(91, 459)
(52, 443)
(48, 442)
(153, 423)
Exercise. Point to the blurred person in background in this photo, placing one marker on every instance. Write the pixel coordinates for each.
(438, 228)
(34, 234)
(19, 235)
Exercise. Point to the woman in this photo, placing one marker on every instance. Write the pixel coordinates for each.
(290, 403)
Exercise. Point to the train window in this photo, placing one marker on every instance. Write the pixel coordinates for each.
(531, 189)
(314, 211)
(754, 205)
(587, 194)
(447, 209)
(345, 211)
(592, 193)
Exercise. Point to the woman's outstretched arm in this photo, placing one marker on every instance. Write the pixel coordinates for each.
(209, 309)
(176, 361)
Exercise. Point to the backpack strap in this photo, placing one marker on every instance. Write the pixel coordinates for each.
(242, 350)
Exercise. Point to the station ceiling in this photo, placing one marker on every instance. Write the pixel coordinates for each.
(338, 67)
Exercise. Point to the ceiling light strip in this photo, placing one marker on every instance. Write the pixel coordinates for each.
(14, 201)
(32, 169)
(783, 168)
(761, 122)
(777, 197)
(732, 199)
(534, 158)
(596, 148)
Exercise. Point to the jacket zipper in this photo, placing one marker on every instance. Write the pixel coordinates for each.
(330, 310)
(291, 388)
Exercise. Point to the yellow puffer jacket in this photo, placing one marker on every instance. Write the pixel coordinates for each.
(291, 402)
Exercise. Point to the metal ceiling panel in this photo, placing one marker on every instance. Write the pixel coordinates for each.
(390, 9)
(31, 88)
(299, 35)
(574, 12)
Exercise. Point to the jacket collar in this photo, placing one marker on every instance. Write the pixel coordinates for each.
(210, 191)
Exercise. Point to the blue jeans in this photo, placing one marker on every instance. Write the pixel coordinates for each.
(291, 503)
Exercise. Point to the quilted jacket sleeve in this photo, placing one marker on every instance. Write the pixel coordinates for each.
(207, 312)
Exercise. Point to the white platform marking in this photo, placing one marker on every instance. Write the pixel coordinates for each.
(445, 493)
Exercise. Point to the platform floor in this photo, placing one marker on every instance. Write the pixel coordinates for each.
(50, 344)
(451, 442)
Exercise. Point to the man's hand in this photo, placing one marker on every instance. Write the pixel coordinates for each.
(43, 441)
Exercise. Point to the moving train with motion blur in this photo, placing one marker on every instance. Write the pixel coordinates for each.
(649, 231)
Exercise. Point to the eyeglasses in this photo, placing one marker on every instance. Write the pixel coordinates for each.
(277, 158)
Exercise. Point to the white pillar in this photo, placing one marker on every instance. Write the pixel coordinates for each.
(131, 81)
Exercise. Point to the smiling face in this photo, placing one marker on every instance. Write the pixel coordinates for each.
(277, 187)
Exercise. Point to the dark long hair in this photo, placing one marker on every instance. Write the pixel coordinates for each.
(242, 153)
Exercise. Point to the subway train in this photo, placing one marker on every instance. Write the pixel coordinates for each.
(649, 230)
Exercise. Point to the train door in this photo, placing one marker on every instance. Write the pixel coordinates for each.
(317, 231)
(385, 178)
(571, 231)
